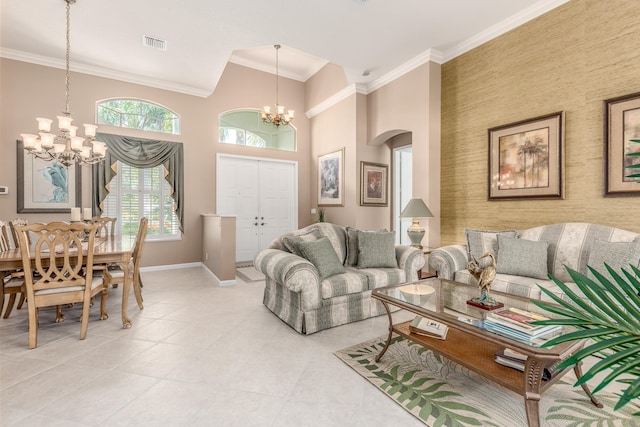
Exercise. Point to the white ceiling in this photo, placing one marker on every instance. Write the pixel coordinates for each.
(374, 36)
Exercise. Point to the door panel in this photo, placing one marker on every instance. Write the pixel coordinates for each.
(262, 195)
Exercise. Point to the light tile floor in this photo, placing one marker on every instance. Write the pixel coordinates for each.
(197, 355)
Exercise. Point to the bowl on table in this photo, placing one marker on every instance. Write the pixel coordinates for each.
(416, 294)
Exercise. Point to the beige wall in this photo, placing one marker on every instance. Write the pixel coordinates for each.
(412, 103)
(29, 91)
(570, 59)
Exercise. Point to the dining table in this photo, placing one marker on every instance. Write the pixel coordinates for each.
(107, 250)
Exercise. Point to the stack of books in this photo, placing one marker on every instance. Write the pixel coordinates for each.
(517, 360)
(516, 324)
(427, 327)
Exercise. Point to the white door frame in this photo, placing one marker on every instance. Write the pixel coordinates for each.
(220, 156)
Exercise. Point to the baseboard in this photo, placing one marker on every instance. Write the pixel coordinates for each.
(188, 265)
(171, 266)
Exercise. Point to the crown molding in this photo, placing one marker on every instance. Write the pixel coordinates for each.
(514, 21)
(272, 70)
(103, 72)
(429, 55)
(335, 98)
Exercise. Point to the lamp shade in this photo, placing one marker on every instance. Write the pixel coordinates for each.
(416, 208)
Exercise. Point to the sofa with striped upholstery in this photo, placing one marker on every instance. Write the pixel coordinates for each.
(295, 293)
(571, 244)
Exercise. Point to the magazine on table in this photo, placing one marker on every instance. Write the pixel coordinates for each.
(427, 327)
(505, 357)
(520, 320)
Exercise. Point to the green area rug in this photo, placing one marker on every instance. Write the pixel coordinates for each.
(442, 393)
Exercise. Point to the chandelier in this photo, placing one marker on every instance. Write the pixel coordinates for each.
(65, 146)
(279, 117)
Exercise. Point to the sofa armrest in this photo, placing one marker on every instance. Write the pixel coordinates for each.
(411, 260)
(448, 259)
(287, 269)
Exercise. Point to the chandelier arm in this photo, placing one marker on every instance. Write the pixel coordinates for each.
(67, 109)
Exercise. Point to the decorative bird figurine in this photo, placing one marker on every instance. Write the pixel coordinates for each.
(484, 277)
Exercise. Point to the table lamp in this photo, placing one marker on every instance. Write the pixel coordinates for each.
(416, 209)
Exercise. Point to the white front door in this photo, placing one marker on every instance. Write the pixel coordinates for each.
(262, 194)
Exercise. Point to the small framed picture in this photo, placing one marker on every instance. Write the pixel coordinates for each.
(331, 179)
(46, 186)
(374, 183)
(622, 145)
(526, 159)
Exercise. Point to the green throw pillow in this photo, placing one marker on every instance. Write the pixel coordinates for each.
(522, 257)
(321, 254)
(377, 249)
(481, 242)
(352, 247)
(291, 241)
(617, 255)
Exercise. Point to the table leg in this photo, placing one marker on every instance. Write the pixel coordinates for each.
(386, 346)
(126, 289)
(533, 380)
(578, 371)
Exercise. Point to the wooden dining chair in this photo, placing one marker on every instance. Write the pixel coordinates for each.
(106, 225)
(12, 281)
(57, 273)
(14, 234)
(116, 276)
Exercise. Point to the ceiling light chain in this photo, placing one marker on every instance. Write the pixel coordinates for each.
(279, 117)
(65, 147)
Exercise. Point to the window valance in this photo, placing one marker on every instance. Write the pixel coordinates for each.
(140, 153)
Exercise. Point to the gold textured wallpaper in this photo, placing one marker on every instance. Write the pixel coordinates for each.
(570, 59)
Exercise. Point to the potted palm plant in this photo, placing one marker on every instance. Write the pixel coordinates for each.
(608, 314)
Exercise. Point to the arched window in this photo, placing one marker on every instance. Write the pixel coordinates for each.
(137, 114)
(245, 127)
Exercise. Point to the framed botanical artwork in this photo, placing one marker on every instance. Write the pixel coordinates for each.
(526, 159)
(331, 179)
(622, 145)
(374, 184)
(47, 186)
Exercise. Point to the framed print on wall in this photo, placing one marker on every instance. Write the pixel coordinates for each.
(47, 186)
(621, 129)
(331, 179)
(526, 159)
(374, 183)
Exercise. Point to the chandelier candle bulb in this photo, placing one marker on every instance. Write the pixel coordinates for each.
(86, 152)
(47, 139)
(73, 130)
(64, 122)
(90, 130)
(44, 124)
(59, 148)
(76, 143)
(29, 140)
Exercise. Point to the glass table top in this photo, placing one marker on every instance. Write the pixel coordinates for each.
(446, 301)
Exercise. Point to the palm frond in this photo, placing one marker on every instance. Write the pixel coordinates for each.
(606, 312)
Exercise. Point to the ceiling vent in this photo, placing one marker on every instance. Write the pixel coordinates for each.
(154, 43)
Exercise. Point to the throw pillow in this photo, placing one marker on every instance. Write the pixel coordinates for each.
(617, 255)
(321, 254)
(481, 242)
(352, 247)
(377, 249)
(291, 241)
(522, 257)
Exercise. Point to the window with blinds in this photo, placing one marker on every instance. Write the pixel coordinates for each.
(135, 193)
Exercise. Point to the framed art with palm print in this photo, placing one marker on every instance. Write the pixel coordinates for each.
(526, 159)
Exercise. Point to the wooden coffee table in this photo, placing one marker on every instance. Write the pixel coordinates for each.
(469, 345)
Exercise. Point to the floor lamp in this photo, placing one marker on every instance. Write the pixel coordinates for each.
(416, 209)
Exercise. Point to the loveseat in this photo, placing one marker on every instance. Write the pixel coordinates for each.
(322, 275)
(525, 258)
